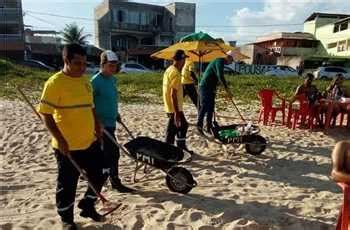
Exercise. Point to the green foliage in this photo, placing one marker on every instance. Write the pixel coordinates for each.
(73, 34)
(147, 88)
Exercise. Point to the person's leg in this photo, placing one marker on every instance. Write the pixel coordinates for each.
(184, 90)
(67, 180)
(192, 93)
(203, 108)
(211, 107)
(181, 133)
(111, 159)
(92, 161)
(170, 130)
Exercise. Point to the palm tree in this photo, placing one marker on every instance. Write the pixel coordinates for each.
(73, 34)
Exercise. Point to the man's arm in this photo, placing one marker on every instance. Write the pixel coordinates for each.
(174, 101)
(194, 77)
(220, 73)
(338, 161)
(98, 125)
(297, 92)
(55, 132)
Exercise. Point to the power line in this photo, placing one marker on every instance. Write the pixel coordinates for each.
(39, 19)
(60, 16)
(199, 26)
(243, 26)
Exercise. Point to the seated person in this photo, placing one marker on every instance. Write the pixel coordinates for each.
(341, 162)
(312, 94)
(335, 91)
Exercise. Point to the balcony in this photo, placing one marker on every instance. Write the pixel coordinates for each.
(136, 27)
(293, 51)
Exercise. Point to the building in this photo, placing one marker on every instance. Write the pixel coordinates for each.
(11, 29)
(333, 32)
(136, 30)
(43, 45)
(258, 55)
(283, 48)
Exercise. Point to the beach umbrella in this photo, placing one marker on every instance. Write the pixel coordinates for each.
(200, 47)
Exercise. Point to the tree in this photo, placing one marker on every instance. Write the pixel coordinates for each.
(73, 34)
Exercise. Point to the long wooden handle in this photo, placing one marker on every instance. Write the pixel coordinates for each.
(75, 164)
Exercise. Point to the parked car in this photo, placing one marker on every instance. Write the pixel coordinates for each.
(37, 64)
(134, 68)
(329, 72)
(91, 68)
(281, 71)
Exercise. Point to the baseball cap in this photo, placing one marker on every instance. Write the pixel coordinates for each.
(179, 55)
(108, 56)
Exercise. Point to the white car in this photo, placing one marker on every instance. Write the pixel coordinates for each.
(91, 68)
(134, 68)
(281, 71)
(329, 72)
(37, 64)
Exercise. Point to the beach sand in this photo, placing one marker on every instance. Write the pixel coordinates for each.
(287, 187)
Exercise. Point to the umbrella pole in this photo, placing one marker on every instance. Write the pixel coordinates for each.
(199, 78)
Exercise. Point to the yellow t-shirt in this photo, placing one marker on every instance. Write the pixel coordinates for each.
(70, 101)
(172, 80)
(186, 73)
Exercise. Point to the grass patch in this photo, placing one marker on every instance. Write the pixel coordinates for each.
(147, 88)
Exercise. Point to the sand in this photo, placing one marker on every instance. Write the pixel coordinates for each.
(287, 187)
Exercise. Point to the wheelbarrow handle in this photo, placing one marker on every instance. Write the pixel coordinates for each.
(126, 129)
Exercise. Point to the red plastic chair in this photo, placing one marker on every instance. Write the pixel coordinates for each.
(266, 97)
(301, 113)
(344, 214)
(343, 114)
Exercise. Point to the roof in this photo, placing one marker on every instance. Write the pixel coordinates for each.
(325, 15)
(285, 35)
(342, 20)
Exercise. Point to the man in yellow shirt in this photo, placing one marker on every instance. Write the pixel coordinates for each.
(67, 109)
(173, 102)
(189, 82)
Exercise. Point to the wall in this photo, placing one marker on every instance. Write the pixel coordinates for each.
(326, 36)
(12, 31)
(248, 50)
(185, 19)
(292, 61)
(250, 69)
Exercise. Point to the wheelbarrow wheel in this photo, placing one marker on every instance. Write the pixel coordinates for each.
(256, 145)
(179, 180)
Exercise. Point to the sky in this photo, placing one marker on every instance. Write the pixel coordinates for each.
(237, 20)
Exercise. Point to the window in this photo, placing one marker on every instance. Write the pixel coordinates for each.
(159, 20)
(332, 45)
(133, 17)
(341, 46)
(344, 26)
(336, 28)
(121, 16)
(171, 24)
(143, 18)
(334, 69)
(340, 27)
(8, 4)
